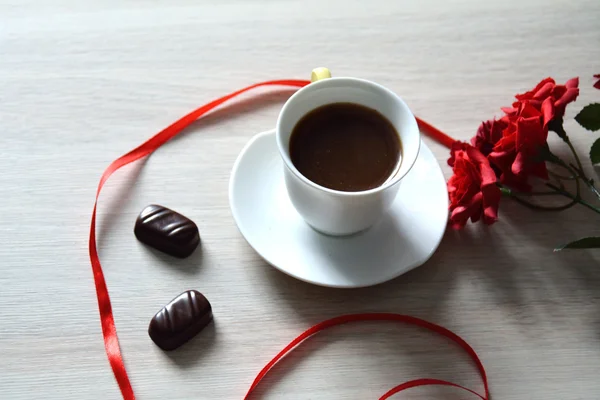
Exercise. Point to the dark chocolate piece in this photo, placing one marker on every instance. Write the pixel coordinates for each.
(180, 320)
(167, 231)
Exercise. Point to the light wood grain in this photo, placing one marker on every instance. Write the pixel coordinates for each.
(81, 83)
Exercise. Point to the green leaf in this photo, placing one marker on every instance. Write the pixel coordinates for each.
(595, 152)
(592, 242)
(589, 117)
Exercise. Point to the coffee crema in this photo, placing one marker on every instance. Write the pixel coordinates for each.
(346, 147)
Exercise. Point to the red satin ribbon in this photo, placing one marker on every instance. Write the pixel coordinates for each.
(345, 319)
(109, 331)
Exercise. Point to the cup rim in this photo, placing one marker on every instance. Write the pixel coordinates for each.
(288, 162)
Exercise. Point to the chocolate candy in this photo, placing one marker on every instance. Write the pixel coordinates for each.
(167, 231)
(180, 320)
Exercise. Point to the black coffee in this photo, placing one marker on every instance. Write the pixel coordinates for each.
(345, 146)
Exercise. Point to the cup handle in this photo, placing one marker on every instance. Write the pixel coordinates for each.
(320, 73)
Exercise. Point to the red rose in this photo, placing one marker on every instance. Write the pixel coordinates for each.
(488, 134)
(549, 98)
(472, 189)
(514, 154)
(597, 84)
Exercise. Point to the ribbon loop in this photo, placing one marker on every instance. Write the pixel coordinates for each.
(389, 317)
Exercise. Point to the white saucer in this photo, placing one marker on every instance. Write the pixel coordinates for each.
(404, 239)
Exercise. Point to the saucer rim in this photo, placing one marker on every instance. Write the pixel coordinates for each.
(236, 218)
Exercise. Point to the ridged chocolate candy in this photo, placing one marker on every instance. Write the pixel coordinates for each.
(180, 320)
(167, 231)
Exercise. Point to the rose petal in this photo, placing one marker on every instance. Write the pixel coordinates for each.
(483, 139)
(498, 127)
(544, 91)
(508, 140)
(530, 134)
(539, 170)
(491, 202)
(518, 166)
(506, 119)
(474, 140)
(509, 132)
(547, 111)
(572, 83)
(597, 85)
(532, 102)
(536, 103)
(466, 193)
(454, 148)
(460, 215)
(529, 95)
(458, 218)
(569, 96)
(559, 91)
(488, 176)
(502, 159)
(528, 110)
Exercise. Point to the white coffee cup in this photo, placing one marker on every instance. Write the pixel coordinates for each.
(335, 212)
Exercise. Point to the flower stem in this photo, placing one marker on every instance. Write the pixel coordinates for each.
(559, 176)
(576, 171)
(594, 190)
(532, 194)
(576, 156)
(516, 196)
(576, 199)
(579, 169)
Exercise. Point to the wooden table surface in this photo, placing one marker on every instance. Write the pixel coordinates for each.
(84, 82)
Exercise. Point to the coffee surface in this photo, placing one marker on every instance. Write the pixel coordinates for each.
(346, 147)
